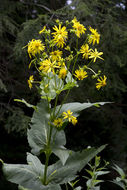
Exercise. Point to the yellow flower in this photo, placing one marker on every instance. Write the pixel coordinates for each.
(95, 54)
(43, 30)
(74, 120)
(58, 122)
(94, 37)
(30, 81)
(60, 35)
(62, 73)
(79, 28)
(85, 51)
(80, 74)
(68, 115)
(101, 82)
(59, 41)
(35, 47)
(56, 55)
(48, 66)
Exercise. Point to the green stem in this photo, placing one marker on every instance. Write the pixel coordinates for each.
(48, 153)
(92, 70)
(76, 57)
(55, 106)
(63, 102)
(45, 170)
(66, 186)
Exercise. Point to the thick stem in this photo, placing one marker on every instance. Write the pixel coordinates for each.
(48, 153)
(45, 171)
(53, 115)
(66, 186)
(48, 150)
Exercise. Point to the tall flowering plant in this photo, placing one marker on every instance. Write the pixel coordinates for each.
(56, 65)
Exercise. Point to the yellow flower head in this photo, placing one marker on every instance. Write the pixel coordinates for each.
(43, 30)
(58, 122)
(74, 120)
(30, 81)
(48, 66)
(62, 73)
(95, 54)
(80, 74)
(35, 47)
(101, 82)
(60, 35)
(56, 55)
(68, 115)
(94, 37)
(79, 28)
(85, 51)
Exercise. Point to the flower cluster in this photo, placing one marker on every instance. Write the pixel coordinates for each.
(66, 116)
(56, 61)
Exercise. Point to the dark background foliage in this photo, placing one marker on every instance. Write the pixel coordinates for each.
(20, 21)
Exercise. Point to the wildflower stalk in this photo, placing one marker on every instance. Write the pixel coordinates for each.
(48, 150)
(55, 106)
(91, 70)
(76, 57)
(48, 153)
(63, 102)
(66, 186)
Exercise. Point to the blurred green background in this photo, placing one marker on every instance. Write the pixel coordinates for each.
(20, 21)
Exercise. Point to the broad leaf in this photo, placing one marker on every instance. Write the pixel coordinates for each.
(61, 152)
(28, 176)
(76, 107)
(57, 145)
(75, 162)
(39, 132)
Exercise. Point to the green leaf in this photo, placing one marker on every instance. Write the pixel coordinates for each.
(50, 86)
(90, 172)
(75, 162)
(39, 131)
(101, 173)
(76, 107)
(70, 82)
(35, 164)
(62, 153)
(28, 176)
(120, 171)
(27, 104)
(120, 183)
(57, 145)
